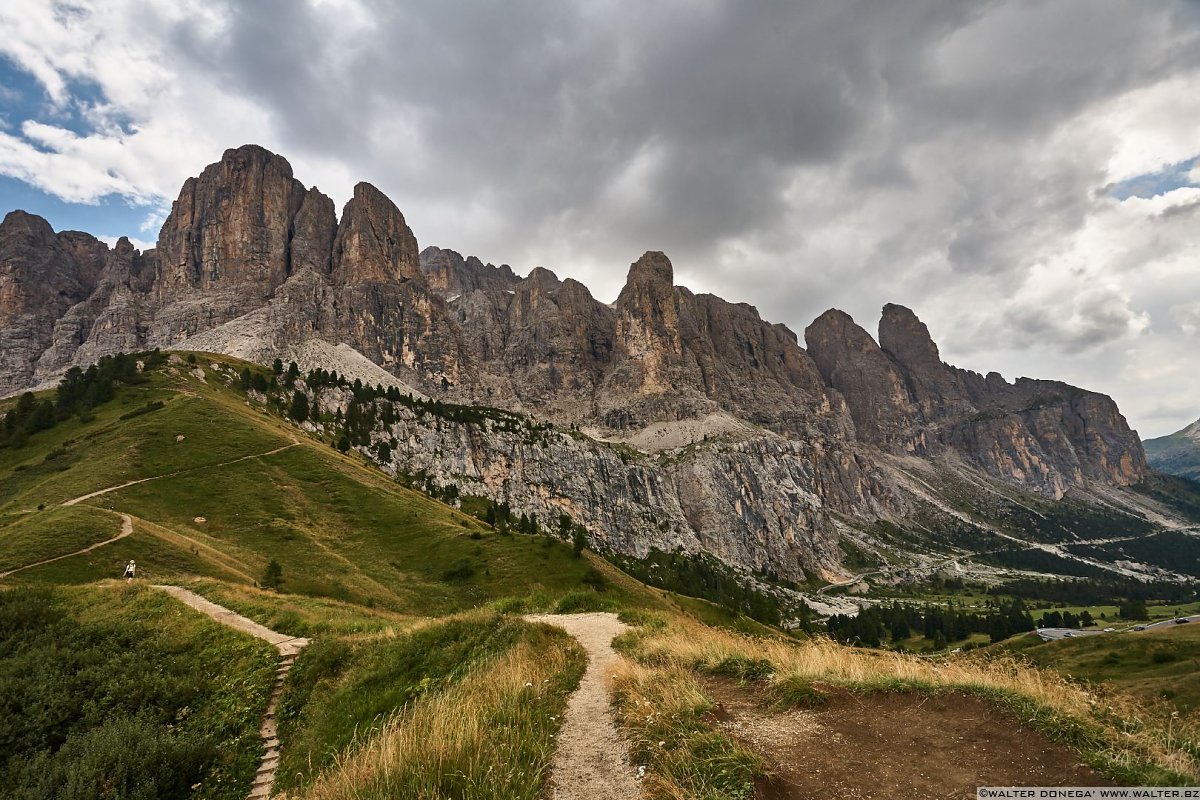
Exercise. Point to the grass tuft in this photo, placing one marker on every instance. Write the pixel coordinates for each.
(663, 712)
(794, 691)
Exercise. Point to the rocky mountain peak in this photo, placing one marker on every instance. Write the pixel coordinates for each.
(22, 223)
(229, 228)
(543, 279)
(653, 268)
(446, 271)
(373, 241)
(903, 335)
(836, 331)
(852, 363)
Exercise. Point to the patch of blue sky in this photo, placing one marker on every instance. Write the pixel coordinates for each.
(111, 216)
(23, 98)
(1153, 184)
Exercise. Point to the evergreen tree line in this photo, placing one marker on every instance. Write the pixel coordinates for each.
(79, 391)
(1099, 591)
(1067, 619)
(878, 624)
(701, 575)
(364, 394)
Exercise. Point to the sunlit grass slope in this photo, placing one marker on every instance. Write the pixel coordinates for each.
(113, 690)
(1161, 665)
(219, 487)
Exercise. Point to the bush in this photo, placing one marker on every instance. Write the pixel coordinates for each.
(744, 669)
(593, 578)
(795, 691)
(461, 571)
(511, 605)
(123, 758)
(273, 575)
(582, 601)
(122, 700)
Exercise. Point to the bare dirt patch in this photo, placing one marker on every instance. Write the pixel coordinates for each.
(888, 745)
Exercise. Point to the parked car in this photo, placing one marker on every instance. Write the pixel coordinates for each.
(1139, 627)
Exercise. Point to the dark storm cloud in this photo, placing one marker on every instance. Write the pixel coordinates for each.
(540, 105)
(543, 103)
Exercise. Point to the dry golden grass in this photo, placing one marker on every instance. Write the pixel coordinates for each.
(1114, 733)
(661, 710)
(489, 736)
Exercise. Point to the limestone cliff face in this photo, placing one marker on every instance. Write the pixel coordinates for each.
(767, 504)
(373, 242)
(648, 345)
(230, 228)
(538, 342)
(449, 273)
(1043, 435)
(107, 320)
(874, 390)
(42, 275)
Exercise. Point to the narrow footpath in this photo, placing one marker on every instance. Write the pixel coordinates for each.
(126, 530)
(288, 647)
(592, 759)
(126, 520)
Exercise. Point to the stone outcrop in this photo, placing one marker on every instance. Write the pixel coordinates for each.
(373, 241)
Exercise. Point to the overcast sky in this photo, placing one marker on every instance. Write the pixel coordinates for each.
(1023, 175)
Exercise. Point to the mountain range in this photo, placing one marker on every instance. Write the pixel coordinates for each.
(1178, 453)
(681, 420)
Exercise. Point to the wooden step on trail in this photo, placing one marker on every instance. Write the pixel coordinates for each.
(288, 646)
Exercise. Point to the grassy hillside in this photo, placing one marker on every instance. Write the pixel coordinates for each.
(421, 679)
(1155, 666)
(219, 487)
(118, 691)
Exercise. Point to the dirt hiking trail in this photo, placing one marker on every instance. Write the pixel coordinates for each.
(889, 744)
(288, 647)
(127, 484)
(126, 520)
(591, 761)
(126, 530)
